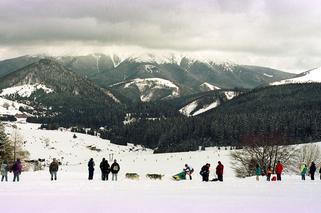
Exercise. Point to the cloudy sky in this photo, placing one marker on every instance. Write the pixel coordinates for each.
(283, 34)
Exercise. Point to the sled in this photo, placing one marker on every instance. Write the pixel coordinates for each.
(273, 178)
(180, 176)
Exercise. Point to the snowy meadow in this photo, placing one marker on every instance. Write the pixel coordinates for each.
(72, 192)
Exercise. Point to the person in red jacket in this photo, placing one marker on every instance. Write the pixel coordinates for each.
(219, 171)
(278, 170)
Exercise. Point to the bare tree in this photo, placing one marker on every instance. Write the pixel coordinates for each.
(262, 149)
(308, 153)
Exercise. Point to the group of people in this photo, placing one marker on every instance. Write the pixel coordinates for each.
(312, 171)
(16, 168)
(205, 172)
(105, 169)
(279, 169)
(114, 169)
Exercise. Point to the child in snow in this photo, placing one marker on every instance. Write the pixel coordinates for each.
(268, 173)
(303, 171)
(258, 172)
(4, 170)
(188, 171)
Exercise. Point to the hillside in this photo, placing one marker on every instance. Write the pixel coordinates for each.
(59, 95)
(291, 112)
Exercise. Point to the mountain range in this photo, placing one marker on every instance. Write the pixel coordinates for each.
(143, 99)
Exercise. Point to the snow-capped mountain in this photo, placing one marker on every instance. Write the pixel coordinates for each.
(311, 76)
(188, 71)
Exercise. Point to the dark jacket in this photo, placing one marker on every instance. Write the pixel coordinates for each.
(53, 167)
(205, 170)
(17, 167)
(104, 167)
(313, 168)
(91, 165)
(115, 168)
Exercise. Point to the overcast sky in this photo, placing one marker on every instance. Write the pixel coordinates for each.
(283, 34)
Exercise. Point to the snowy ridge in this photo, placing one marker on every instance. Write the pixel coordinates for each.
(208, 87)
(206, 108)
(148, 86)
(311, 76)
(25, 90)
(189, 108)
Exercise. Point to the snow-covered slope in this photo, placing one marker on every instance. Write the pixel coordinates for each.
(72, 192)
(148, 87)
(8, 107)
(202, 105)
(208, 87)
(60, 144)
(25, 90)
(310, 76)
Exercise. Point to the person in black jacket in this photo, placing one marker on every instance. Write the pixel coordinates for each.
(114, 170)
(312, 170)
(91, 169)
(320, 173)
(105, 168)
(53, 169)
(205, 172)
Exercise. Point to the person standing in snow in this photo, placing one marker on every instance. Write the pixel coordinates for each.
(16, 169)
(4, 170)
(303, 171)
(205, 172)
(320, 173)
(91, 169)
(188, 171)
(219, 171)
(278, 170)
(258, 172)
(53, 169)
(105, 168)
(268, 173)
(312, 170)
(114, 170)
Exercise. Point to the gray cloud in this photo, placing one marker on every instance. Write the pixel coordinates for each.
(284, 34)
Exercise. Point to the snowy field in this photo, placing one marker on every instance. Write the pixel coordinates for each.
(72, 192)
